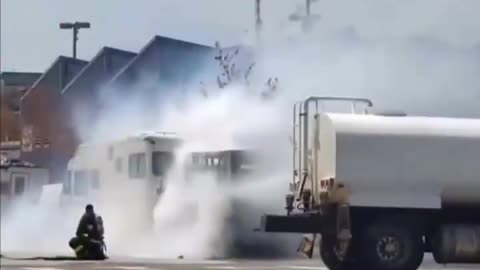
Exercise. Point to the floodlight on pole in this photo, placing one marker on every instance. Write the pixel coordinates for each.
(66, 25)
(75, 26)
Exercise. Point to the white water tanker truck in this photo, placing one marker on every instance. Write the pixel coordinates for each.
(383, 190)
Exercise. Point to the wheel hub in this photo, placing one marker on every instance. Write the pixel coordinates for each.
(388, 248)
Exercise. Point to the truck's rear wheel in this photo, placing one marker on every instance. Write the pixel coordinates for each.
(391, 246)
(330, 258)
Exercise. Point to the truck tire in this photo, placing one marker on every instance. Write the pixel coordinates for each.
(330, 259)
(392, 246)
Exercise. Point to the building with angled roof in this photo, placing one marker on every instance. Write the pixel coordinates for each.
(80, 97)
(15, 80)
(12, 87)
(103, 66)
(163, 62)
(74, 90)
(41, 119)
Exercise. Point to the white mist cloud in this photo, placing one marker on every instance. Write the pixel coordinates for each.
(206, 21)
(401, 55)
(407, 74)
(38, 230)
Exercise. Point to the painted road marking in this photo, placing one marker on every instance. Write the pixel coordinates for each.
(194, 261)
(40, 268)
(307, 267)
(222, 267)
(245, 267)
(123, 267)
(229, 267)
(129, 267)
(442, 268)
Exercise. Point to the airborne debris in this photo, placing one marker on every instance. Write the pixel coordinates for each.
(230, 74)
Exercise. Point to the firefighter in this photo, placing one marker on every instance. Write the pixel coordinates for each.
(88, 243)
(88, 224)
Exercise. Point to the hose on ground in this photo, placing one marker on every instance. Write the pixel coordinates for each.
(53, 258)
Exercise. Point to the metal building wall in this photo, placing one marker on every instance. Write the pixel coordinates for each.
(41, 117)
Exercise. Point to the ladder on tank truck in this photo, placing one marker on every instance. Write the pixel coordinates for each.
(306, 145)
(305, 139)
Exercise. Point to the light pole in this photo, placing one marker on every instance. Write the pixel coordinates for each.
(75, 26)
(258, 20)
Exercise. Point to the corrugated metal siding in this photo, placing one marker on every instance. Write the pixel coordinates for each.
(42, 116)
(9, 123)
(164, 60)
(114, 61)
(80, 98)
(102, 67)
(19, 78)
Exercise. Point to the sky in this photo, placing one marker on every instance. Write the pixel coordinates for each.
(31, 39)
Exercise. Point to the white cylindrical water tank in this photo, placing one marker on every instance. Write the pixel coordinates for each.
(402, 161)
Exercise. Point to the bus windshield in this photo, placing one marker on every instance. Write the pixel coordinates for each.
(161, 162)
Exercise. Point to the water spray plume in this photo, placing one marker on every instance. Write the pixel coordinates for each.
(192, 217)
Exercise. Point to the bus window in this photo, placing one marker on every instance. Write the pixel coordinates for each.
(209, 162)
(137, 165)
(5, 188)
(20, 182)
(241, 162)
(80, 183)
(67, 183)
(161, 162)
(95, 179)
(199, 161)
(110, 152)
(118, 164)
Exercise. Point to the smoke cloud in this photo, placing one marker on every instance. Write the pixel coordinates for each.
(416, 73)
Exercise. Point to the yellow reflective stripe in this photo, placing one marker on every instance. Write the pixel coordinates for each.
(78, 249)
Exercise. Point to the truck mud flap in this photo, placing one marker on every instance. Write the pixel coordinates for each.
(307, 246)
(301, 223)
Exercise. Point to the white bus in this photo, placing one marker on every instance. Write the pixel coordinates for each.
(130, 174)
(142, 161)
(120, 171)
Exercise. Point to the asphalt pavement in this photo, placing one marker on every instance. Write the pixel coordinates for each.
(186, 264)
